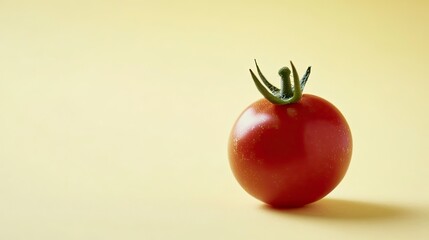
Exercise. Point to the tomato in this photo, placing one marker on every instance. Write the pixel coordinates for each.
(290, 155)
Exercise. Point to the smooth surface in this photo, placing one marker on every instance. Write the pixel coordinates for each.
(115, 116)
(290, 155)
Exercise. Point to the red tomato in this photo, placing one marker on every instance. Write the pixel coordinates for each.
(290, 155)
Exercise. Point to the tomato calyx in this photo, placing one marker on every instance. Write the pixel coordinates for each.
(288, 93)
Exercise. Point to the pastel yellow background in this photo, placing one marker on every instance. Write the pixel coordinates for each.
(115, 115)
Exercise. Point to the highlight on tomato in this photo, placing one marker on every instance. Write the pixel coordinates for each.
(289, 149)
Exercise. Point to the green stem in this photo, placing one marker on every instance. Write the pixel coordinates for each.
(286, 86)
(287, 94)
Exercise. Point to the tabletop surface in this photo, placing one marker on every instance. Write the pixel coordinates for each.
(115, 116)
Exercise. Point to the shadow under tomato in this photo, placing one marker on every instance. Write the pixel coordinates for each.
(338, 209)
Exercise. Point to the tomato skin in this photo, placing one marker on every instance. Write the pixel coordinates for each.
(290, 155)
